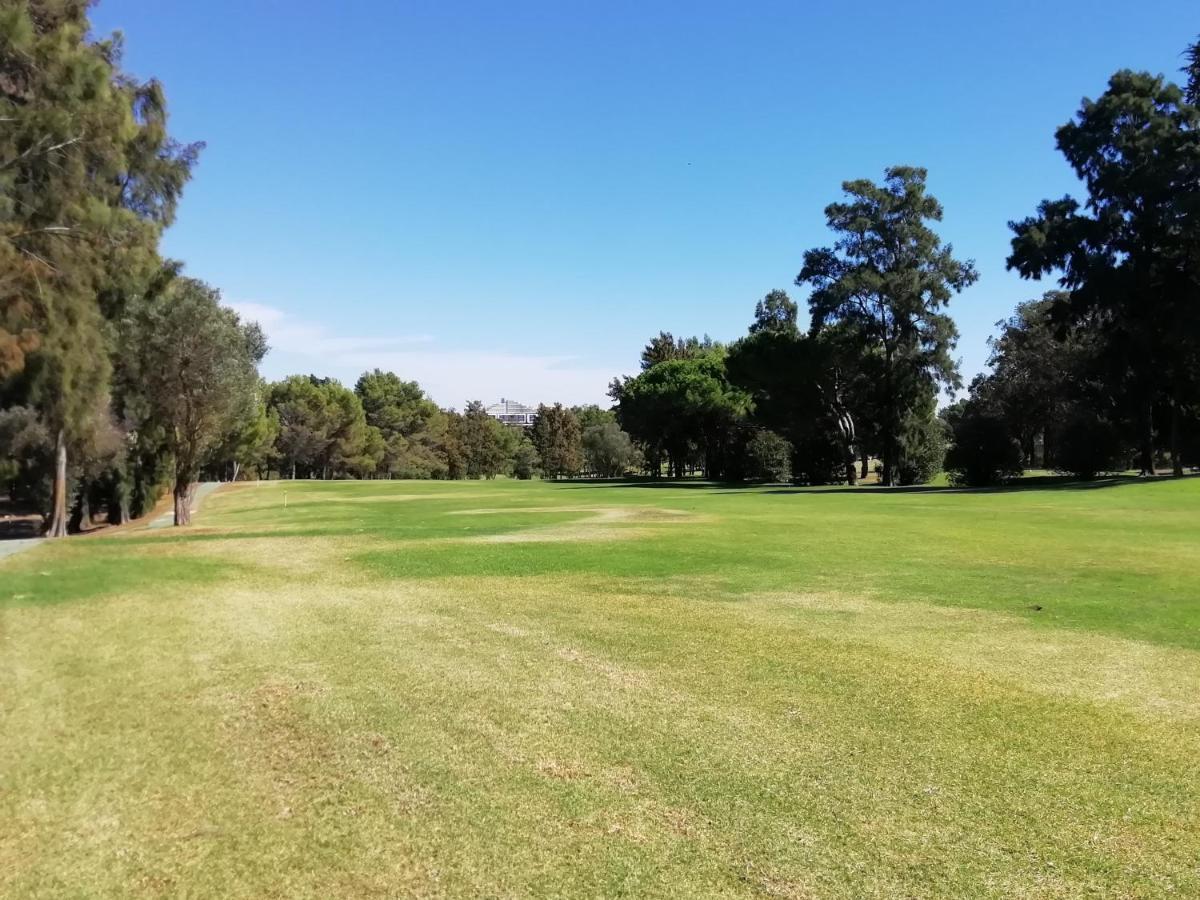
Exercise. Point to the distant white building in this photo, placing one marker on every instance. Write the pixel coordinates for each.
(510, 412)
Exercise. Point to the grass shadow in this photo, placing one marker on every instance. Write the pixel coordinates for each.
(1030, 483)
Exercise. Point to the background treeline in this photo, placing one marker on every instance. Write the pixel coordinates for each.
(1101, 375)
(120, 378)
(311, 427)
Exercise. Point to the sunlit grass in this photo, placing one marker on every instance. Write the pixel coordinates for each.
(505, 689)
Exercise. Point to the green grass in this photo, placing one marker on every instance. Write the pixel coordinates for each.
(506, 689)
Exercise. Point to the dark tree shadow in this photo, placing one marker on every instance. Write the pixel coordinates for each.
(1032, 483)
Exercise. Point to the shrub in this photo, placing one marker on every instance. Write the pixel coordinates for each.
(924, 451)
(983, 451)
(769, 457)
(1088, 444)
(608, 451)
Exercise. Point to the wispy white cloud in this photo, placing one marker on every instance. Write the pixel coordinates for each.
(451, 376)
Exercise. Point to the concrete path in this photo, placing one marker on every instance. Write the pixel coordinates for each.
(203, 489)
(166, 520)
(11, 548)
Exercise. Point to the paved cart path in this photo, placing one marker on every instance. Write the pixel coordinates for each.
(203, 489)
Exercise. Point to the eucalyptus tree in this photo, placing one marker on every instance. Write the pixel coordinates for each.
(196, 362)
(885, 283)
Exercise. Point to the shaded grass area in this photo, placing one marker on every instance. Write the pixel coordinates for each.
(668, 692)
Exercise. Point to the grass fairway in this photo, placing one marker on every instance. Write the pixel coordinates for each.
(510, 689)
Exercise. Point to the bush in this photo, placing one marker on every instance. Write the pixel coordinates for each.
(608, 451)
(769, 457)
(525, 461)
(983, 451)
(924, 452)
(1088, 444)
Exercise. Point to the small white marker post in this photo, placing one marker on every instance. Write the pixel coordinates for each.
(285, 499)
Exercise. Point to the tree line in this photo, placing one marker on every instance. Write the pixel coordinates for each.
(306, 426)
(1101, 374)
(121, 378)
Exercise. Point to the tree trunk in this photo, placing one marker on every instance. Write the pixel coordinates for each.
(888, 476)
(237, 468)
(58, 497)
(863, 472)
(183, 502)
(1146, 451)
(81, 512)
(1176, 441)
(117, 503)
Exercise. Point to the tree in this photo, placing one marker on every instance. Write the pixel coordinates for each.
(482, 443)
(1192, 71)
(525, 461)
(88, 179)
(608, 451)
(590, 414)
(684, 408)
(665, 347)
(775, 312)
(299, 405)
(982, 450)
(250, 444)
(352, 446)
(196, 363)
(559, 441)
(1128, 258)
(885, 283)
(769, 457)
(797, 387)
(410, 424)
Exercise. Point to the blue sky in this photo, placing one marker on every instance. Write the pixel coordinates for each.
(509, 198)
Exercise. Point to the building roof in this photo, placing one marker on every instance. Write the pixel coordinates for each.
(510, 408)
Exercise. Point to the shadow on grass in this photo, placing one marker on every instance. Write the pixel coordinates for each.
(1031, 483)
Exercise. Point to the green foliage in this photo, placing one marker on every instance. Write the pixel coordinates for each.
(1087, 444)
(775, 312)
(796, 386)
(525, 461)
(1126, 258)
(89, 176)
(982, 451)
(1192, 71)
(481, 447)
(666, 347)
(591, 414)
(884, 285)
(608, 451)
(558, 439)
(195, 365)
(323, 430)
(923, 444)
(681, 405)
(769, 457)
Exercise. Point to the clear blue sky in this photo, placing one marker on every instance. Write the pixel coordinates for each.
(509, 198)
